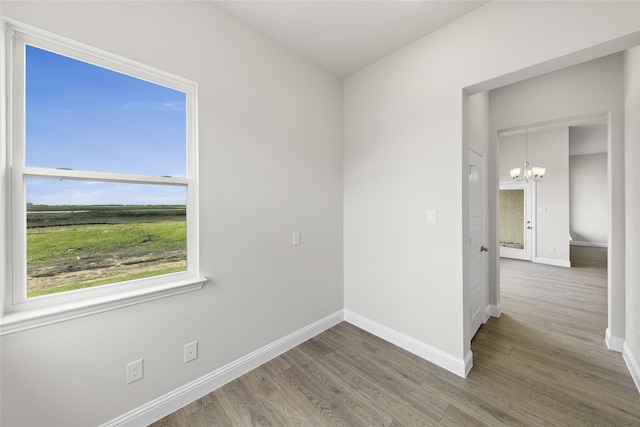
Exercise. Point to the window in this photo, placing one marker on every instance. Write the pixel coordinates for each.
(100, 178)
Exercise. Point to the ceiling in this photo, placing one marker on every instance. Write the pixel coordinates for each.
(344, 36)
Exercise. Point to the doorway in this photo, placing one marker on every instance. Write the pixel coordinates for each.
(517, 204)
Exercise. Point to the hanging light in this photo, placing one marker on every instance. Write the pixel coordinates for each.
(533, 174)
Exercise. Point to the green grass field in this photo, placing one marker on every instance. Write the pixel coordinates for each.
(120, 242)
(51, 245)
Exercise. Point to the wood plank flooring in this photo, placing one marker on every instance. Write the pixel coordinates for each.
(543, 362)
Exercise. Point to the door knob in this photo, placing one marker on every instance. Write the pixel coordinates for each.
(484, 249)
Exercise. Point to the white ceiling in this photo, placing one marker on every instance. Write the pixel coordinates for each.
(343, 36)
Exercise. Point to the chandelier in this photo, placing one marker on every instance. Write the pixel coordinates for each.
(530, 174)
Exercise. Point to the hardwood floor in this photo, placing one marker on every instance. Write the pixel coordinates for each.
(543, 362)
(588, 256)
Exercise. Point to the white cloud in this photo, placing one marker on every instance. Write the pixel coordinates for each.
(54, 192)
(156, 106)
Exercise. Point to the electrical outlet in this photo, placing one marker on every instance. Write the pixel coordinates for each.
(190, 351)
(135, 371)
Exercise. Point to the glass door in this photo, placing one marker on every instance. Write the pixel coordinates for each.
(516, 220)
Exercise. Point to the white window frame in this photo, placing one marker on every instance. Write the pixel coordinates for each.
(18, 311)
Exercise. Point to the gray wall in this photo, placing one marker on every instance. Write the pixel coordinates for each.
(588, 198)
(270, 163)
(631, 347)
(404, 154)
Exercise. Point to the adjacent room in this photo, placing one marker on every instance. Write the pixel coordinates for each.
(206, 204)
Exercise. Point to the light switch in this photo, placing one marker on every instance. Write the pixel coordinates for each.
(431, 217)
(296, 238)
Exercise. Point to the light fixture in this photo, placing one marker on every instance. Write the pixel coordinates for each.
(531, 174)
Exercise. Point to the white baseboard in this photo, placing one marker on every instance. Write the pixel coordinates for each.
(468, 364)
(458, 366)
(549, 261)
(613, 343)
(182, 396)
(494, 310)
(593, 244)
(632, 364)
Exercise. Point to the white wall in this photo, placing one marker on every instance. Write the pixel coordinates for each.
(588, 137)
(588, 198)
(404, 154)
(270, 164)
(591, 88)
(478, 119)
(548, 148)
(631, 350)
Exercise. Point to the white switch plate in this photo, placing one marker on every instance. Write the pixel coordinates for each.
(431, 217)
(296, 237)
(190, 351)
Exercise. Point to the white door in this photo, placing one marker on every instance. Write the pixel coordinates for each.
(477, 236)
(517, 200)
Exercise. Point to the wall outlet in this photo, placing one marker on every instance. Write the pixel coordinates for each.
(552, 249)
(190, 351)
(135, 371)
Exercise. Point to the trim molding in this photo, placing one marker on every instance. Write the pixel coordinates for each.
(494, 310)
(632, 364)
(24, 320)
(594, 244)
(468, 363)
(549, 261)
(458, 366)
(182, 396)
(613, 343)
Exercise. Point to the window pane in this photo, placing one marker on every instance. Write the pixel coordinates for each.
(84, 117)
(512, 219)
(84, 233)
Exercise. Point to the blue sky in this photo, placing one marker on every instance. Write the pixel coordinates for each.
(84, 117)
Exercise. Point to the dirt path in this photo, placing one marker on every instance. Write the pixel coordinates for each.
(88, 270)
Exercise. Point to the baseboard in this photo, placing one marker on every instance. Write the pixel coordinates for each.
(613, 343)
(632, 364)
(170, 402)
(592, 244)
(458, 366)
(468, 364)
(549, 261)
(494, 310)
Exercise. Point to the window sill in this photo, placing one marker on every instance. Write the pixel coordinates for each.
(11, 323)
